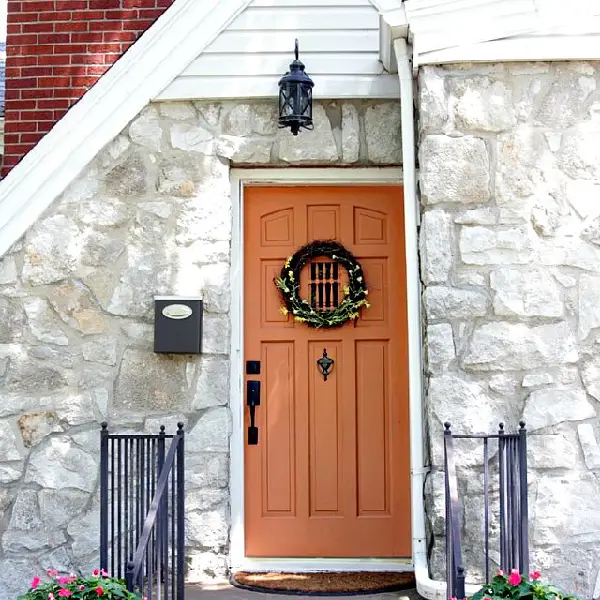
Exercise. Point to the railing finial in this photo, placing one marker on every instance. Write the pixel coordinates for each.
(447, 425)
(180, 426)
(104, 425)
(522, 424)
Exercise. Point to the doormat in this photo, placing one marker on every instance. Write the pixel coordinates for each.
(324, 584)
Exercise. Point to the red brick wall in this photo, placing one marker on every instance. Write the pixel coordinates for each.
(56, 50)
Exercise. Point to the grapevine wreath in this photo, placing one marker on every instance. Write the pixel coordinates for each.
(354, 294)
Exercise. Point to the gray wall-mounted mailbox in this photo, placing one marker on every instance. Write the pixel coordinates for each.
(177, 325)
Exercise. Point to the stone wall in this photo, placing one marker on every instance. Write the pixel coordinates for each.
(150, 216)
(510, 242)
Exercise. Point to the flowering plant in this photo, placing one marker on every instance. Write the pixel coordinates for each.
(514, 586)
(98, 586)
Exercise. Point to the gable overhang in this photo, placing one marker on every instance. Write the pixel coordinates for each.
(178, 36)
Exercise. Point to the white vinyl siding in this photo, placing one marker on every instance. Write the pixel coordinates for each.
(339, 44)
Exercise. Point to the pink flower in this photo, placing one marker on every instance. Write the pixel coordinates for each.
(515, 578)
(534, 575)
(104, 573)
(52, 572)
(81, 588)
(65, 580)
(99, 591)
(64, 592)
(50, 596)
(35, 582)
(500, 572)
(96, 572)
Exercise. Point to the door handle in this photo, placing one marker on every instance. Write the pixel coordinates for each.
(252, 400)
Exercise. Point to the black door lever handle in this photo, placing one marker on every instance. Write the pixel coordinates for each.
(252, 400)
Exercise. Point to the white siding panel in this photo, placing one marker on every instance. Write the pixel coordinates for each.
(330, 87)
(310, 41)
(339, 43)
(288, 18)
(267, 64)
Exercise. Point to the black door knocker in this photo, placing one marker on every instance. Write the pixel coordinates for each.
(325, 364)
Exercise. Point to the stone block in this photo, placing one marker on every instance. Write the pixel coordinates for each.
(547, 407)
(455, 170)
(512, 346)
(178, 111)
(552, 451)
(43, 322)
(309, 147)
(146, 131)
(211, 433)
(52, 250)
(59, 463)
(440, 347)
(433, 100)
(10, 447)
(150, 382)
(129, 178)
(519, 170)
(589, 306)
(525, 292)
(491, 246)
(589, 445)
(436, 246)
(250, 119)
(350, 134)
(12, 320)
(101, 350)
(75, 306)
(481, 104)
(442, 302)
(383, 133)
(192, 138)
(213, 383)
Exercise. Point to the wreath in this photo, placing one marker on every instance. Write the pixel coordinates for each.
(354, 294)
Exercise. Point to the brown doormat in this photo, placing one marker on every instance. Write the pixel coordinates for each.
(324, 584)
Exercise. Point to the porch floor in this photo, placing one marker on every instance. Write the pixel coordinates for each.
(228, 592)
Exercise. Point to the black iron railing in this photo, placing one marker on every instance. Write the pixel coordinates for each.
(513, 506)
(142, 511)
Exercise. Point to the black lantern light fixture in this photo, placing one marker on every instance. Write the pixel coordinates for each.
(295, 98)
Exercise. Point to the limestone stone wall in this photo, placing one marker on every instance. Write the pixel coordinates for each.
(150, 216)
(509, 159)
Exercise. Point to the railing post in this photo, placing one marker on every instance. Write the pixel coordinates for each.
(449, 545)
(524, 512)
(159, 519)
(180, 513)
(502, 474)
(104, 496)
(129, 576)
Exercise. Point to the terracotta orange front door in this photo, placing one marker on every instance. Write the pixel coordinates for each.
(329, 476)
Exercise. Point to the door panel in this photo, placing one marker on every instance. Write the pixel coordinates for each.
(330, 474)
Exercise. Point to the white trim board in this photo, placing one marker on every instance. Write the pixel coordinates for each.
(299, 176)
(517, 49)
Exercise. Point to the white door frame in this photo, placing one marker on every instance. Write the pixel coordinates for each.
(300, 176)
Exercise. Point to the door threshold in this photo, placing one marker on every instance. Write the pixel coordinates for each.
(308, 565)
